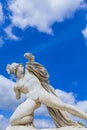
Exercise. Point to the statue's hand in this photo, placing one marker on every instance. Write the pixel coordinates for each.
(17, 92)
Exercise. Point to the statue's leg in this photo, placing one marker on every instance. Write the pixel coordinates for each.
(52, 101)
(23, 115)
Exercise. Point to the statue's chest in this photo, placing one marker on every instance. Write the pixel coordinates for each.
(27, 82)
(23, 81)
(20, 83)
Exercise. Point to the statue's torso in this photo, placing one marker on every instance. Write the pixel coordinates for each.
(30, 85)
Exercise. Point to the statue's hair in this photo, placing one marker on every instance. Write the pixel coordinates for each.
(13, 67)
(60, 118)
(38, 70)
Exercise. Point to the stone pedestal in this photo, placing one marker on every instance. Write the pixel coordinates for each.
(20, 128)
(31, 128)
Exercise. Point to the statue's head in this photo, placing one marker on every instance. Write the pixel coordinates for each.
(15, 68)
(18, 68)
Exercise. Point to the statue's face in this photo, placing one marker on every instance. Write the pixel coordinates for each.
(15, 68)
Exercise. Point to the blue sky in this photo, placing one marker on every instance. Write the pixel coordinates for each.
(56, 33)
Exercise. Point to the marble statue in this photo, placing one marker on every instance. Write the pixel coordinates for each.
(32, 80)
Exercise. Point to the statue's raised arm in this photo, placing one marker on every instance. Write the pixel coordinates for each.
(34, 83)
(18, 70)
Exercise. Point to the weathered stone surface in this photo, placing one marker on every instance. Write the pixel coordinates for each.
(31, 128)
(20, 128)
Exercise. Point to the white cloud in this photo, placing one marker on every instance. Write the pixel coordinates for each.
(82, 105)
(42, 111)
(4, 122)
(9, 33)
(84, 32)
(42, 14)
(1, 13)
(67, 97)
(44, 123)
(7, 95)
(1, 42)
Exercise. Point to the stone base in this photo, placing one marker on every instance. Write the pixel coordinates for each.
(31, 128)
(20, 128)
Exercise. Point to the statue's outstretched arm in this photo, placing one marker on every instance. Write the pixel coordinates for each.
(54, 102)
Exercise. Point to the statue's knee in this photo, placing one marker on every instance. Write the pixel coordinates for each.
(21, 121)
(13, 121)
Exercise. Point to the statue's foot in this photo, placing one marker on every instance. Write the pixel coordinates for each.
(30, 125)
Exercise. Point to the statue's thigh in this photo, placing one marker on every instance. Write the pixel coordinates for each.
(25, 109)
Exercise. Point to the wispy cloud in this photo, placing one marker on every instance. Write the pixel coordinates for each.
(84, 32)
(1, 42)
(1, 14)
(9, 33)
(1, 20)
(42, 14)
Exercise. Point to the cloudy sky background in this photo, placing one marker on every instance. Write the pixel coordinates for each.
(56, 33)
